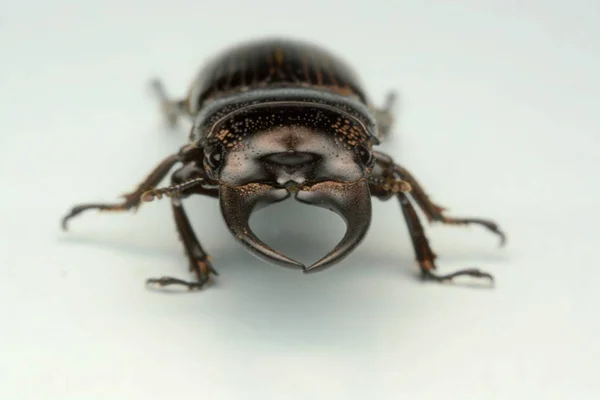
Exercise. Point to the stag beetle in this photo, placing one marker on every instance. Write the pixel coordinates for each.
(274, 118)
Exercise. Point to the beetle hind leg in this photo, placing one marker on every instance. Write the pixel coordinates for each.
(171, 109)
(384, 115)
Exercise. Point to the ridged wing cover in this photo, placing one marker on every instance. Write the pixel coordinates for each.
(271, 64)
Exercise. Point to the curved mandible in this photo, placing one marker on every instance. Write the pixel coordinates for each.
(351, 201)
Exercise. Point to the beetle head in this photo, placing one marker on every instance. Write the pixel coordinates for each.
(323, 163)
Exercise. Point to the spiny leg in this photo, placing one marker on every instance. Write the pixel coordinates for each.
(384, 184)
(133, 199)
(172, 109)
(199, 260)
(433, 211)
(190, 178)
(425, 256)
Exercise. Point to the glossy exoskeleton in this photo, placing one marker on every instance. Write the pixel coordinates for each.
(279, 118)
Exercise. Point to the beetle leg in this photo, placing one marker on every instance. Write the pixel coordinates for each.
(172, 109)
(384, 184)
(426, 256)
(133, 199)
(434, 212)
(384, 115)
(423, 252)
(199, 260)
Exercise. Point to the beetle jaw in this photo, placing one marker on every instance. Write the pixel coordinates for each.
(350, 200)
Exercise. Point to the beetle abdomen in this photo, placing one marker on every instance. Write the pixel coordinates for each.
(273, 64)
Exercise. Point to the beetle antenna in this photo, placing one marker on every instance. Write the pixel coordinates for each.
(171, 191)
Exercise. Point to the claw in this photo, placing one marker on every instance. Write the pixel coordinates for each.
(427, 274)
(161, 283)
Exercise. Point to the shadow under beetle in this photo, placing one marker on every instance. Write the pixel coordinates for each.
(276, 118)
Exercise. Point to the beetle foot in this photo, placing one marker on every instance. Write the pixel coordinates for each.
(162, 282)
(428, 275)
(201, 267)
(130, 203)
(489, 225)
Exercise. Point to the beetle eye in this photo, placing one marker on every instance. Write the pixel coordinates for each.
(365, 156)
(213, 159)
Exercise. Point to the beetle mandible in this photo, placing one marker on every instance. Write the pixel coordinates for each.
(275, 118)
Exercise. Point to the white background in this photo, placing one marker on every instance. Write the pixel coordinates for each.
(498, 118)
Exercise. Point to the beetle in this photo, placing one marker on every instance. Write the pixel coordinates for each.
(274, 118)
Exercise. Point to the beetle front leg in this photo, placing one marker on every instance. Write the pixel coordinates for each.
(199, 260)
(434, 212)
(133, 199)
(425, 256)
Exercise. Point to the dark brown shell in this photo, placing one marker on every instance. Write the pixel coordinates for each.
(270, 64)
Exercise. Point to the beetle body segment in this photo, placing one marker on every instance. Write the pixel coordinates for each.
(271, 84)
(273, 63)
